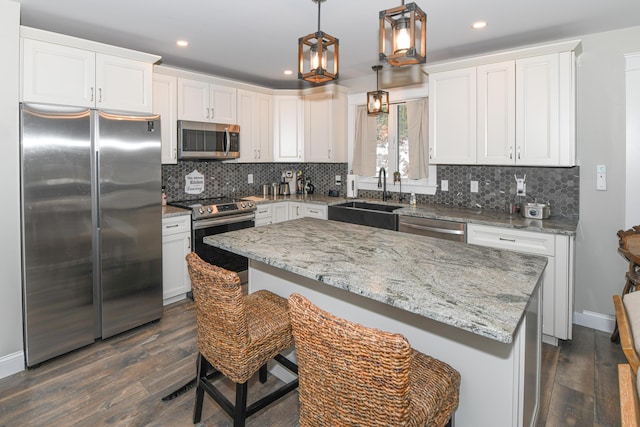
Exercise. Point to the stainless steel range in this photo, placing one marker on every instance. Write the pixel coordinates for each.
(214, 216)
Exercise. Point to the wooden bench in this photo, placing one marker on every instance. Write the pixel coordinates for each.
(627, 341)
(629, 405)
(628, 319)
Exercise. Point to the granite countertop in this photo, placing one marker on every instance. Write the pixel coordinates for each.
(169, 211)
(554, 225)
(481, 290)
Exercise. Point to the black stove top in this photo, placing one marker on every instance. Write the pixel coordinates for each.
(215, 206)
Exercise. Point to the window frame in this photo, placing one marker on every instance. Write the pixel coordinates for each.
(419, 186)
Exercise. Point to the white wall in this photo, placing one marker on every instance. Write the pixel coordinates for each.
(601, 140)
(11, 358)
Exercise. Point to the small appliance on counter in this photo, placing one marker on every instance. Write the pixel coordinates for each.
(535, 210)
(287, 183)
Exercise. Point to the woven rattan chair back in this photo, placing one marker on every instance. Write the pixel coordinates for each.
(349, 374)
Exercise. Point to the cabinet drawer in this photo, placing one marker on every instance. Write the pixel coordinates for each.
(263, 211)
(316, 211)
(516, 240)
(176, 224)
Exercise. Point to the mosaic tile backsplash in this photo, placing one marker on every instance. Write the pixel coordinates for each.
(496, 184)
(231, 179)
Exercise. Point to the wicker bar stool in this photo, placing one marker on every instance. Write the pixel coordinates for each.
(351, 375)
(629, 248)
(237, 335)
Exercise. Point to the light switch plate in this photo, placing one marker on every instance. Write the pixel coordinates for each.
(444, 185)
(601, 177)
(474, 186)
(250, 178)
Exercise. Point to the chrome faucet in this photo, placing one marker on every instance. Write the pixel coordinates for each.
(382, 183)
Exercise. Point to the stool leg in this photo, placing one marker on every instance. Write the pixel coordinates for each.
(263, 374)
(202, 371)
(240, 409)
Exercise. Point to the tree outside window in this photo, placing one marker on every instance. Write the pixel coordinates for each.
(392, 152)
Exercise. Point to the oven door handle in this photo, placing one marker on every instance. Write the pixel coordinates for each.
(211, 222)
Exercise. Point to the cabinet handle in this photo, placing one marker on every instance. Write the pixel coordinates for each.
(430, 153)
(518, 153)
(99, 94)
(175, 153)
(299, 154)
(189, 242)
(329, 152)
(91, 94)
(258, 153)
(510, 153)
(172, 226)
(313, 211)
(207, 114)
(297, 210)
(507, 240)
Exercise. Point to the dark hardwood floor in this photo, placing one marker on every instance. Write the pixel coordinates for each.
(120, 382)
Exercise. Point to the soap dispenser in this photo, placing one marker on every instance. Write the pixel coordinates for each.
(412, 199)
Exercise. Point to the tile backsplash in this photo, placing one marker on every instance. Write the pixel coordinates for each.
(496, 184)
(231, 179)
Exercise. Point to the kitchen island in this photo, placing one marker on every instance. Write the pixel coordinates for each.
(473, 307)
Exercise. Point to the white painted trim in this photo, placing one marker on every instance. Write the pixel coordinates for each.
(593, 320)
(11, 364)
(172, 299)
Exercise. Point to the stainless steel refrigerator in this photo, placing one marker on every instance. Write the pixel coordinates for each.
(91, 226)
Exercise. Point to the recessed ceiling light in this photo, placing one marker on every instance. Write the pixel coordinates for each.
(478, 25)
(288, 72)
(182, 43)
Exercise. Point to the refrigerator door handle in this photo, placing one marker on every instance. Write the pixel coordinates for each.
(97, 191)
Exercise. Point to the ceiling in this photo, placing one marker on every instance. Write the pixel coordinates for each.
(255, 40)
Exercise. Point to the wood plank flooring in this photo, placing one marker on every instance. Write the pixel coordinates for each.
(120, 381)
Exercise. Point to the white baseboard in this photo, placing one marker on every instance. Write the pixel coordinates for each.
(593, 320)
(11, 364)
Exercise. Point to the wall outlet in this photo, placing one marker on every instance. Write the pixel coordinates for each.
(444, 185)
(250, 178)
(474, 186)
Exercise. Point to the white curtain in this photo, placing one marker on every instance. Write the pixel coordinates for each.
(418, 124)
(364, 150)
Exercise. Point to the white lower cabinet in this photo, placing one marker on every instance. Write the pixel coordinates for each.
(280, 212)
(263, 215)
(557, 291)
(307, 210)
(176, 244)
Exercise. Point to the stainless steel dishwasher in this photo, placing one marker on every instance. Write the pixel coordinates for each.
(441, 229)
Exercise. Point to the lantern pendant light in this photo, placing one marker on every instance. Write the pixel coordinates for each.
(408, 44)
(378, 100)
(317, 53)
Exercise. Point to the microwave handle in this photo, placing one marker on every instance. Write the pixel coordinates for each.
(227, 142)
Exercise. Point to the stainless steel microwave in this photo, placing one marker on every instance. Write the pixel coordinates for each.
(199, 140)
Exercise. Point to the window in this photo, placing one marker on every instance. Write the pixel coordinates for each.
(392, 150)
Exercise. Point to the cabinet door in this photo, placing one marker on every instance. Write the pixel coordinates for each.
(537, 111)
(280, 212)
(452, 117)
(263, 215)
(247, 109)
(175, 277)
(57, 74)
(164, 103)
(193, 100)
(123, 84)
(288, 129)
(296, 210)
(318, 127)
(263, 125)
(222, 104)
(496, 113)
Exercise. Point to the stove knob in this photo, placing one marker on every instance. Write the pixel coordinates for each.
(200, 211)
(209, 209)
(250, 204)
(242, 205)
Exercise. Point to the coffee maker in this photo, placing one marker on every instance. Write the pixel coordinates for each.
(287, 183)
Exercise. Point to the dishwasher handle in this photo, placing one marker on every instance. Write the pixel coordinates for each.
(432, 229)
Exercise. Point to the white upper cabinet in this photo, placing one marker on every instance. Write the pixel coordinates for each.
(59, 74)
(496, 113)
(325, 127)
(204, 102)
(165, 104)
(288, 128)
(255, 117)
(452, 117)
(515, 112)
(545, 105)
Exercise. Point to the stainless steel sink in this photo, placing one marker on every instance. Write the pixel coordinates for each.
(364, 213)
